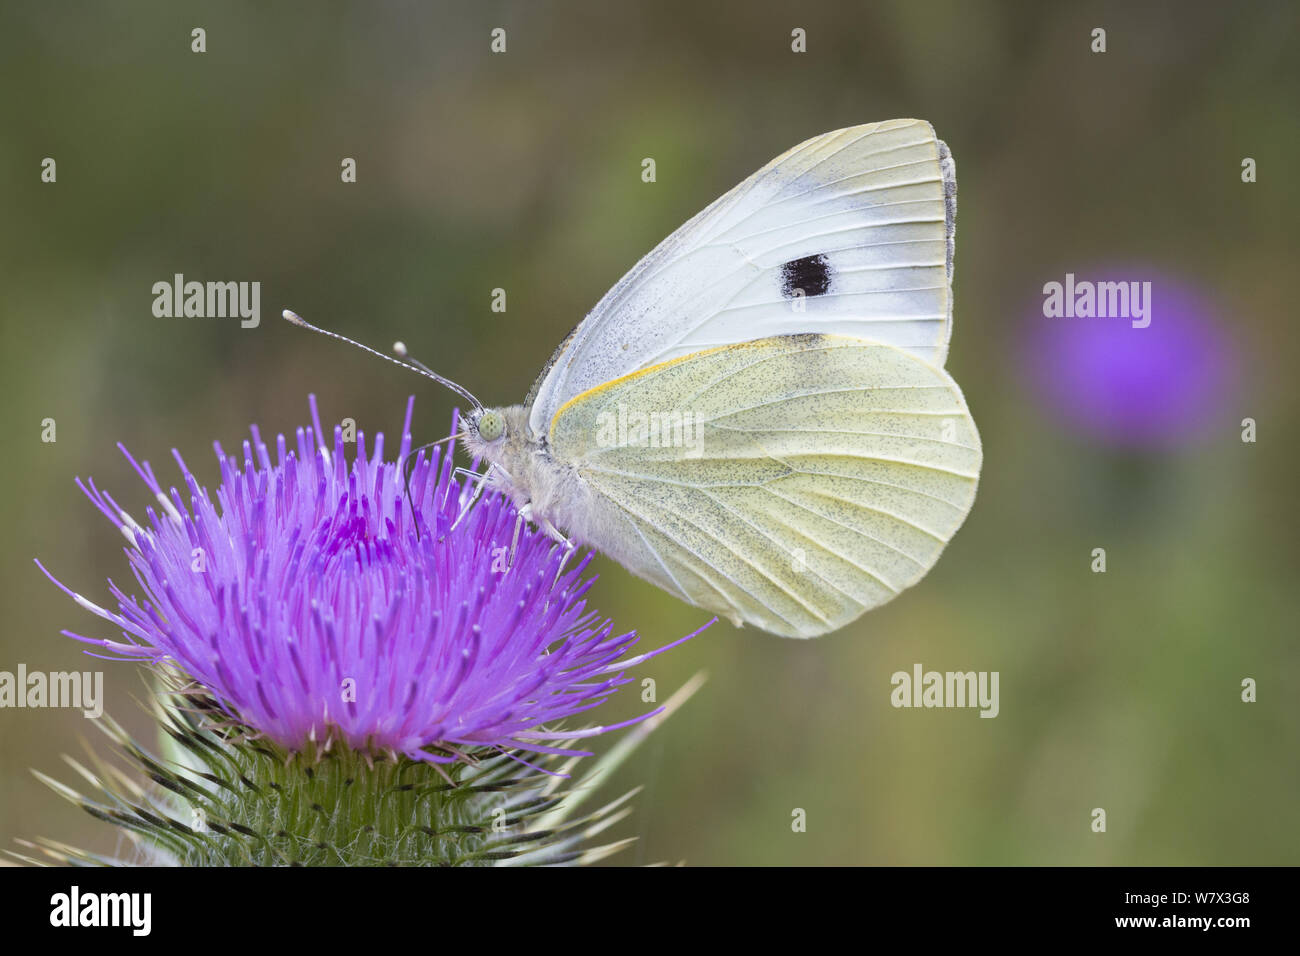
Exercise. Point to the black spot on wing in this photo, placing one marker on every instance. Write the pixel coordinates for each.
(810, 275)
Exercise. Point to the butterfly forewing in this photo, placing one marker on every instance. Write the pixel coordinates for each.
(849, 233)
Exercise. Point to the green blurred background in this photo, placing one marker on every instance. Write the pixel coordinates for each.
(476, 171)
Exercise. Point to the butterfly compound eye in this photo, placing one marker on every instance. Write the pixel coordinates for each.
(491, 426)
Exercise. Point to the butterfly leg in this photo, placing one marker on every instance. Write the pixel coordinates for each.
(526, 514)
(482, 480)
(569, 548)
(558, 537)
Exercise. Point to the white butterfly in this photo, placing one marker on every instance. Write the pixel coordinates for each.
(756, 418)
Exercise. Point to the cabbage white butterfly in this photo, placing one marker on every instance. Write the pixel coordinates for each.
(757, 418)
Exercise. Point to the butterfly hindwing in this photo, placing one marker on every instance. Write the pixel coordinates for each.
(792, 482)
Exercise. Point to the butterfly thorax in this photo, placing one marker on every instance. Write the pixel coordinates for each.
(521, 464)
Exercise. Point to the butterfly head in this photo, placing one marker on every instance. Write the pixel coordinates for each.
(489, 424)
(500, 437)
(496, 434)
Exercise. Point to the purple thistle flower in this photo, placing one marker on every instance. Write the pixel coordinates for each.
(304, 600)
(1156, 387)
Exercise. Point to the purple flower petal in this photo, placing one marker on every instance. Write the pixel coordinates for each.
(1158, 386)
(303, 598)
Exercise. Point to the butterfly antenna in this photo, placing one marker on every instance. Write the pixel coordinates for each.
(399, 349)
(464, 393)
(408, 467)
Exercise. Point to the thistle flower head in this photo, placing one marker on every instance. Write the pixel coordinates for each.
(313, 604)
(1151, 383)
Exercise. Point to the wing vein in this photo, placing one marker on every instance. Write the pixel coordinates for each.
(699, 557)
(847, 527)
(760, 531)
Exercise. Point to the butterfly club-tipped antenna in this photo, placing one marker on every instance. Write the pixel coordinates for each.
(418, 368)
(399, 349)
(411, 365)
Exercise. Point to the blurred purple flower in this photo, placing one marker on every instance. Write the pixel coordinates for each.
(305, 602)
(1140, 387)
